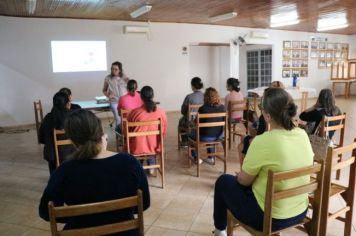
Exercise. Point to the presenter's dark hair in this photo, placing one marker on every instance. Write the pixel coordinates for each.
(85, 131)
(132, 86)
(196, 83)
(147, 95)
(59, 110)
(66, 91)
(234, 84)
(118, 64)
(281, 107)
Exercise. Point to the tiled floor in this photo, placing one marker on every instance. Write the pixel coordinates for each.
(184, 207)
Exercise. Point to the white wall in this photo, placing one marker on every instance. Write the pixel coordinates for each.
(211, 64)
(26, 70)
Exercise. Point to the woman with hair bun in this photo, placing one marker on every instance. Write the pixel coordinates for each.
(94, 175)
(284, 147)
(234, 95)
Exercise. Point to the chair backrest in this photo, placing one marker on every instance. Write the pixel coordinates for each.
(193, 111)
(155, 129)
(99, 207)
(326, 127)
(59, 142)
(272, 195)
(124, 113)
(37, 106)
(222, 124)
(234, 106)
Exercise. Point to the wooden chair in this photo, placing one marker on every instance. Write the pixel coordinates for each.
(312, 226)
(58, 141)
(198, 145)
(95, 208)
(325, 127)
(331, 188)
(37, 106)
(192, 112)
(235, 106)
(120, 138)
(158, 132)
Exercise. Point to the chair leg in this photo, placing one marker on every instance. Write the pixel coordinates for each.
(179, 139)
(162, 171)
(198, 158)
(189, 156)
(338, 172)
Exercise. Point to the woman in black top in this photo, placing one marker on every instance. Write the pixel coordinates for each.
(54, 120)
(325, 106)
(94, 175)
(211, 105)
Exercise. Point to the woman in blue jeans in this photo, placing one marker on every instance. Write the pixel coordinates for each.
(284, 147)
(211, 105)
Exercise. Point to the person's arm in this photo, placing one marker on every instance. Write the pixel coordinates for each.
(310, 115)
(245, 179)
(185, 106)
(105, 88)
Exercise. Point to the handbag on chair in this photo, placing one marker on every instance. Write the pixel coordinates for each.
(320, 144)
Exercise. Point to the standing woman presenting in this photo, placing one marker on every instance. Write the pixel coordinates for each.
(115, 87)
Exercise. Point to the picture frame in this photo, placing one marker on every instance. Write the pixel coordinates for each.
(313, 54)
(295, 53)
(322, 45)
(296, 44)
(329, 64)
(337, 54)
(338, 46)
(321, 54)
(304, 54)
(329, 54)
(286, 53)
(322, 64)
(304, 64)
(304, 73)
(330, 46)
(296, 73)
(314, 45)
(344, 46)
(286, 73)
(286, 63)
(295, 63)
(287, 44)
(304, 44)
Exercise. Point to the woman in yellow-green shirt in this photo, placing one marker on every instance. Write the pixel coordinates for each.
(284, 147)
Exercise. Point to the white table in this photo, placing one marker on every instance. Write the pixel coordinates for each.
(296, 93)
(93, 105)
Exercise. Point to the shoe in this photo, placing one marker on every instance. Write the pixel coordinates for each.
(217, 232)
(152, 173)
(210, 160)
(194, 159)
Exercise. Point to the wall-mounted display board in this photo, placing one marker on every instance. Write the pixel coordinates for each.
(327, 53)
(295, 58)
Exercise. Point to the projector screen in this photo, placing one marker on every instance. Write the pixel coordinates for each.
(76, 56)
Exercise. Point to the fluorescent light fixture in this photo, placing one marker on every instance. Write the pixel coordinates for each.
(31, 6)
(285, 15)
(140, 11)
(285, 23)
(332, 21)
(223, 17)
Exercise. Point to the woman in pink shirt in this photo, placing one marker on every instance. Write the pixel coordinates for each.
(233, 86)
(147, 112)
(132, 99)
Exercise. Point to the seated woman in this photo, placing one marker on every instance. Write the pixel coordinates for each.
(284, 147)
(69, 93)
(132, 99)
(325, 106)
(234, 95)
(94, 175)
(147, 112)
(197, 97)
(54, 120)
(256, 128)
(211, 105)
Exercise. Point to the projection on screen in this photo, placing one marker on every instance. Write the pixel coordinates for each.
(76, 56)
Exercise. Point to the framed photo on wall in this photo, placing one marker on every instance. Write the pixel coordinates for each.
(313, 54)
(321, 54)
(322, 64)
(304, 54)
(304, 63)
(330, 46)
(329, 54)
(296, 73)
(295, 44)
(295, 53)
(295, 63)
(286, 63)
(304, 73)
(285, 73)
(286, 44)
(286, 53)
(314, 45)
(344, 46)
(329, 63)
(304, 44)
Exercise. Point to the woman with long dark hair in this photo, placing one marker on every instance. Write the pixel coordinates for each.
(324, 106)
(93, 175)
(284, 147)
(54, 120)
(147, 112)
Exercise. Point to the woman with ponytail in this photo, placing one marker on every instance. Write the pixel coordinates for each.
(284, 147)
(54, 120)
(234, 95)
(147, 112)
(94, 174)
